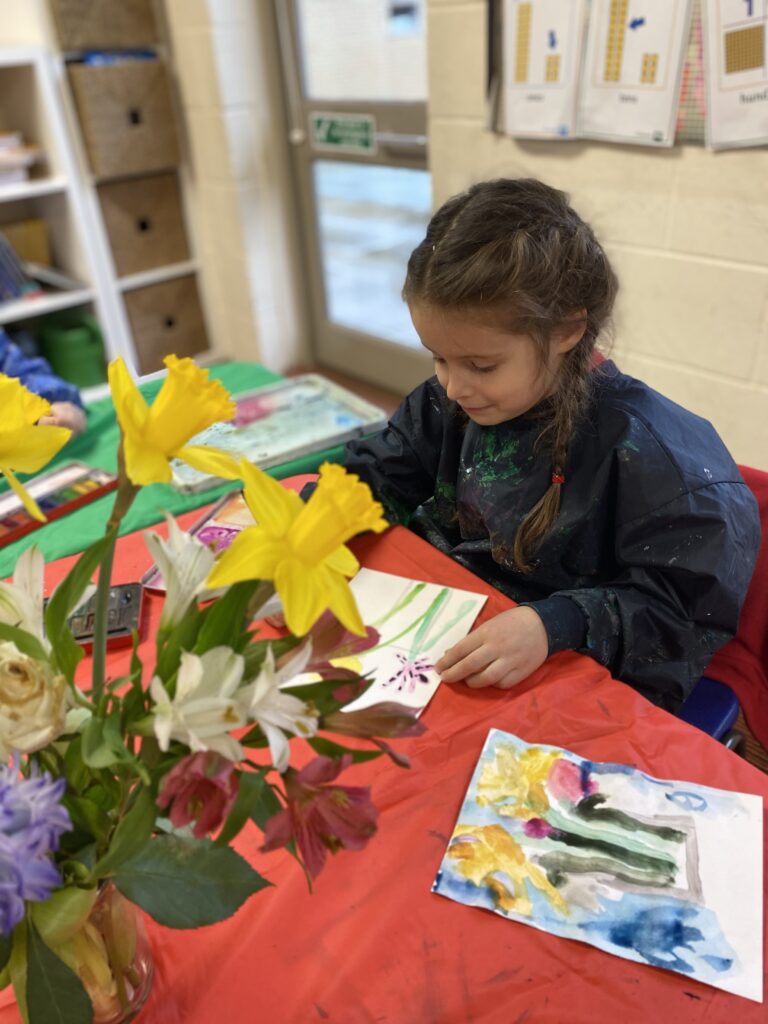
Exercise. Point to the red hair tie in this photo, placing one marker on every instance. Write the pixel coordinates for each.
(558, 478)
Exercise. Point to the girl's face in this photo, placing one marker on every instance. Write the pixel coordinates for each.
(492, 374)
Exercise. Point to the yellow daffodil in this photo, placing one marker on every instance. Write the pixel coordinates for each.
(24, 447)
(187, 403)
(302, 547)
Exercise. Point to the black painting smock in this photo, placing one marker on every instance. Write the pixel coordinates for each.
(649, 559)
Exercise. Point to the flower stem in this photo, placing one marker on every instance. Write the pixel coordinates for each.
(126, 492)
(100, 624)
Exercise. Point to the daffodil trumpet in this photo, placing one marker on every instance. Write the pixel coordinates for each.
(187, 403)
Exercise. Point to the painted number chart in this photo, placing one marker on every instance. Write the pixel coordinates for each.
(633, 66)
(664, 873)
(542, 54)
(736, 49)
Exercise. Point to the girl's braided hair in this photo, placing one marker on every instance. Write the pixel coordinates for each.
(514, 253)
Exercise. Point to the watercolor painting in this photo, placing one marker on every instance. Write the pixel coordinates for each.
(661, 872)
(417, 622)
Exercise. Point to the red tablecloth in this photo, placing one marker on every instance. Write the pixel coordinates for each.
(372, 943)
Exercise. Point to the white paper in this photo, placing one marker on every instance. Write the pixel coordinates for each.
(541, 60)
(417, 623)
(630, 85)
(662, 872)
(736, 55)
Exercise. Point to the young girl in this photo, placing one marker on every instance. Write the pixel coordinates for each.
(615, 518)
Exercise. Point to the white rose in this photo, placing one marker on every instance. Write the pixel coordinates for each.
(32, 702)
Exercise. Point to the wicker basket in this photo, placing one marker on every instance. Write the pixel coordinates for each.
(127, 117)
(95, 24)
(166, 318)
(144, 222)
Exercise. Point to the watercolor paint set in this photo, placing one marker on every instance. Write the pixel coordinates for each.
(217, 527)
(281, 422)
(57, 492)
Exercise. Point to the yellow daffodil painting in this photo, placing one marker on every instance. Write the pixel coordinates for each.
(187, 403)
(25, 447)
(301, 547)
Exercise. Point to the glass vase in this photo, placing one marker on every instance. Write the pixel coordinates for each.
(114, 958)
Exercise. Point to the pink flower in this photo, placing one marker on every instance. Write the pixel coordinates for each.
(321, 817)
(567, 783)
(200, 788)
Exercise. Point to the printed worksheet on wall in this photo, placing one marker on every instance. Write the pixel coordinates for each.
(630, 84)
(736, 54)
(542, 55)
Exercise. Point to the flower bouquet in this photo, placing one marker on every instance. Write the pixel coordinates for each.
(129, 791)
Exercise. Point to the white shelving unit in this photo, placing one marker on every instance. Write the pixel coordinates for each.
(33, 101)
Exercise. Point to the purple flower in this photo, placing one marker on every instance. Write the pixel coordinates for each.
(31, 823)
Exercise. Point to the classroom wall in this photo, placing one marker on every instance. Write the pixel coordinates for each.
(226, 61)
(687, 230)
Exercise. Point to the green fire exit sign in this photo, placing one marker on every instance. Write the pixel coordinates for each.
(349, 133)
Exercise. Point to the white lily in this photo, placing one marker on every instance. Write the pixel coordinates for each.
(21, 602)
(203, 709)
(262, 702)
(185, 564)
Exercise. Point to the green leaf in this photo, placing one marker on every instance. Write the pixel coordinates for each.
(248, 794)
(26, 642)
(65, 598)
(131, 835)
(224, 621)
(55, 994)
(186, 883)
(181, 638)
(6, 945)
(328, 748)
(75, 769)
(103, 744)
(17, 968)
(321, 694)
(87, 816)
(266, 807)
(59, 917)
(256, 652)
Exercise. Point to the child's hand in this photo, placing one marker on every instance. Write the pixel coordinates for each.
(65, 414)
(501, 652)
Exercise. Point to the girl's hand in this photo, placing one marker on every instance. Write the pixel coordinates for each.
(501, 652)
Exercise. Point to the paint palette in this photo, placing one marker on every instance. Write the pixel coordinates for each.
(57, 492)
(281, 422)
(217, 528)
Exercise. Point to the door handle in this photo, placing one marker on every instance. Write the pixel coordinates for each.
(400, 140)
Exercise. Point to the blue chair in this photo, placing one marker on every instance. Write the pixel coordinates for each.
(713, 708)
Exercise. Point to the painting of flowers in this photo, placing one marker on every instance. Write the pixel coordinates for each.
(661, 872)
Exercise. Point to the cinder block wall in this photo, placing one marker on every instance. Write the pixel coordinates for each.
(686, 228)
(241, 198)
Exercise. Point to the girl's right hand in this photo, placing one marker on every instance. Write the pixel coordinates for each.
(502, 652)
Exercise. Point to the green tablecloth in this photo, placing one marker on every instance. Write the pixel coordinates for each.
(98, 447)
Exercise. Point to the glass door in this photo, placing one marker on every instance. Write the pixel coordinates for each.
(355, 85)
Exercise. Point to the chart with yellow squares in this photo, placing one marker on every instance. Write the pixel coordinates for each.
(542, 49)
(736, 41)
(634, 59)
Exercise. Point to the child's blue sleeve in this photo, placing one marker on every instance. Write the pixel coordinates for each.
(35, 373)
